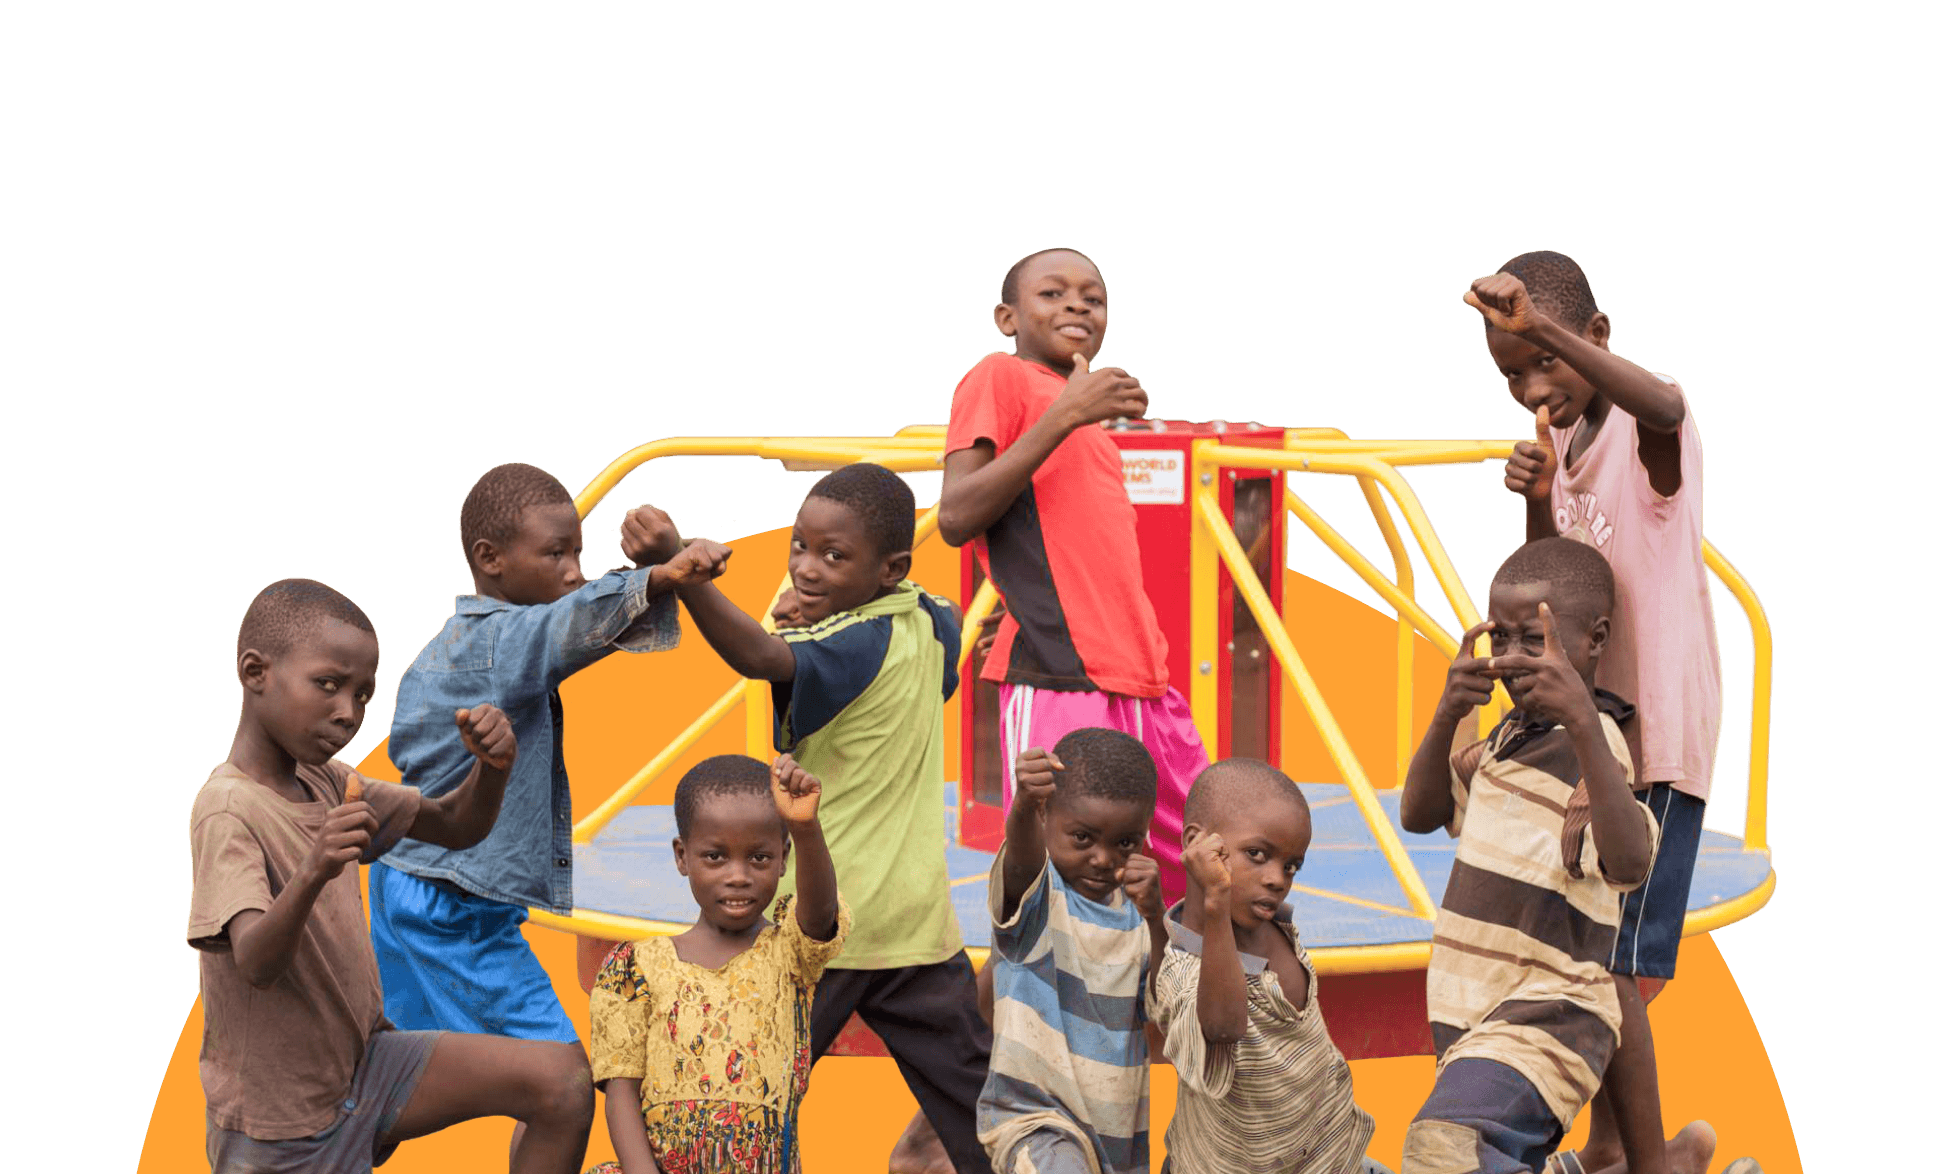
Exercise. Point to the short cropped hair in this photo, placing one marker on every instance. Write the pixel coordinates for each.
(879, 499)
(1107, 764)
(1017, 271)
(1556, 285)
(716, 778)
(493, 507)
(1238, 782)
(1574, 570)
(288, 610)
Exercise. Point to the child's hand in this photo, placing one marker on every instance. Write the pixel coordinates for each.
(346, 835)
(1532, 467)
(487, 733)
(987, 629)
(1092, 397)
(648, 536)
(797, 793)
(788, 611)
(1469, 680)
(1037, 777)
(1553, 689)
(1140, 876)
(1205, 862)
(1503, 301)
(701, 560)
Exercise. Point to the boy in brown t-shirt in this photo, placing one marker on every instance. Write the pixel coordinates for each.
(300, 1067)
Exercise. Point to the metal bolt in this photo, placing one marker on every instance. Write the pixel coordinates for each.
(1205, 478)
(1205, 668)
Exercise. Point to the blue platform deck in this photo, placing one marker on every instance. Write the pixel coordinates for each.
(1345, 896)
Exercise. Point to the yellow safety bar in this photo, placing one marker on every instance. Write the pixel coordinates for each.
(1373, 464)
(1213, 522)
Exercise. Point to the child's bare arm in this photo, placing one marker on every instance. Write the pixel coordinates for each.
(1024, 828)
(263, 941)
(1140, 877)
(798, 794)
(1617, 823)
(979, 485)
(1427, 802)
(464, 815)
(750, 650)
(1221, 1002)
(1504, 302)
(628, 1131)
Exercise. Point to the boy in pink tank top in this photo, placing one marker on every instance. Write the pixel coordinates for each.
(1617, 465)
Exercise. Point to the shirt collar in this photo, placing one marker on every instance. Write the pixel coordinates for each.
(1521, 726)
(480, 605)
(1187, 942)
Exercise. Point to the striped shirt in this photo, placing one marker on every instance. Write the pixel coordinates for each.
(1517, 973)
(1279, 1100)
(1068, 1047)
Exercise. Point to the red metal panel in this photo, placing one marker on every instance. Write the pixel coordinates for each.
(1158, 473)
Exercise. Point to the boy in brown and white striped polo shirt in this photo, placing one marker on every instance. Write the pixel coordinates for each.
(1521, 1003)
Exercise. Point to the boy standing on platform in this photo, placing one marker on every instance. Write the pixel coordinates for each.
(1027, 472)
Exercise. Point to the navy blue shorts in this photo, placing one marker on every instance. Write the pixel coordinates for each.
(451, 961)
(1653, 912)
(1482, 1117)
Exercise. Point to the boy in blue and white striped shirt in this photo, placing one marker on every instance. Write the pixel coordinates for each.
(1078, 922)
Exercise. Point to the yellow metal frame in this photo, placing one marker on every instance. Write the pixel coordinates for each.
(1374, 464)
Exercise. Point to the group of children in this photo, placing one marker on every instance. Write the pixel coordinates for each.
(1139, 900)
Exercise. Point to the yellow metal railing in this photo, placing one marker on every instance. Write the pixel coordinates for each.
(1372, 463)
(1374, 466)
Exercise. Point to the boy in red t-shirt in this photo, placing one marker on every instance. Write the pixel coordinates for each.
(1027, 475)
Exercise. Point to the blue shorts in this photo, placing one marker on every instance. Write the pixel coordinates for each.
(1653, 912)
(1482, 1117)
(452, 961)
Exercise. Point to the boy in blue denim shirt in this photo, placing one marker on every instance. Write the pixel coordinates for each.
(445, 923)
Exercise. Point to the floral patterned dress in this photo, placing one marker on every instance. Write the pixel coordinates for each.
(721, 1055)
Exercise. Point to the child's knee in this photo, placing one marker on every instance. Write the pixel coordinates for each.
(559, 1086)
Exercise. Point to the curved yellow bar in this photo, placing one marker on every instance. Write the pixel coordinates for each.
(1241, 570)
(1761, 692)
(619, 800)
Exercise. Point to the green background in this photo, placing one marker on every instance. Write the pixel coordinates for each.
(284, 284)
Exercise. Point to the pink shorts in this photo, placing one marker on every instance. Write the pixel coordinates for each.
(1039, 717)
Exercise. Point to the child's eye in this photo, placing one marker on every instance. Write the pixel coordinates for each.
(1080, 838)
(326, 684)
(834, 556)
(1095, 300)
(363, 698)
(1255, 854)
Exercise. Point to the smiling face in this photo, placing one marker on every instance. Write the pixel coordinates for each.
(834, 565)
(1059, 313)
(1089, 838)
(540, 563)
(310, 698)
(732, 856)
(1538, 378)
(1266, 841)
(1518, 630)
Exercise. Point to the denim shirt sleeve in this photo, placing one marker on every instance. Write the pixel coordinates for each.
(539, 646)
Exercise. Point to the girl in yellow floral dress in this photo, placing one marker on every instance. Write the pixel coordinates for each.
(700, 1040)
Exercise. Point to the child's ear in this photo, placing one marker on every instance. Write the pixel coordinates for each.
(895, 569)
(1599, 637)
(680, 856)
(1006, 320)
(1192, 832)
(1598, 331)
(252, 669)
(486, 557)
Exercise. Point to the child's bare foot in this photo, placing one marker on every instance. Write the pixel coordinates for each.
(1744, 1166)
(919, 1150)
(1690, 1151)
